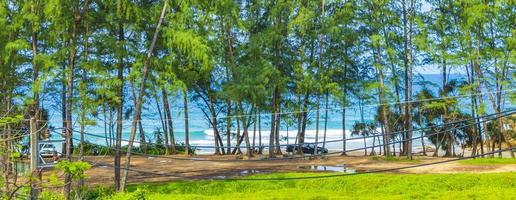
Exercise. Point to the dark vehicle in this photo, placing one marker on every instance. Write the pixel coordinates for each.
(307, 149)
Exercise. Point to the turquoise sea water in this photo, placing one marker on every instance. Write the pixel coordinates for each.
(202, 134)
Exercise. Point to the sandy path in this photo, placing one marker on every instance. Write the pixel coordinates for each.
(159, 169)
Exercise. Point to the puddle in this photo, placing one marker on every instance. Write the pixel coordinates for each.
(246, 172)
(328, 168)
(250, 172)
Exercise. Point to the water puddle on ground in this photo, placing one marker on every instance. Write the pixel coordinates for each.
(246, 172)
(328, 168)
(320, 168)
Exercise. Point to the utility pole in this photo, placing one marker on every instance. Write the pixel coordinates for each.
(34, 137)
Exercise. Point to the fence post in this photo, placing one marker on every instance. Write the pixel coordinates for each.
(34, 136)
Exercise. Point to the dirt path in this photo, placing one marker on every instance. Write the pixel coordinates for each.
(160, 169)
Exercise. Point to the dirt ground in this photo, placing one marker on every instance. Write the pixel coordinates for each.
(163, 169)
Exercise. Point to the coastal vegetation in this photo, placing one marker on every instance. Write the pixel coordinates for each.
(367, 186)
(244, 63)
(488, 161)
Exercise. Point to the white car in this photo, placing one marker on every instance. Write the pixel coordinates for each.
(48, 150)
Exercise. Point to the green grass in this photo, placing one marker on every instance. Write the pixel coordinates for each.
(366, 186)
(488, 161)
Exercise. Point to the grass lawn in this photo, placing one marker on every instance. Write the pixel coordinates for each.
(365, 186)
(488, 161)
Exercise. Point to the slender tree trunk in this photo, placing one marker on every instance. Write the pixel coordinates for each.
(254, 130)
(273, 123)
(421, 132)
(406, 79)
(143, 144)
(120, 107)
(385, 118)
(168, 118)
(71, 64)
(475, 135)
(137, 112)
(238, 136)
(165, 128)
(64, 90)
(317, 104)
(187, 129)
(35, 67)
(161, 116)
(299, 120)
(260, 133)
(303, 123)
(6, 156)
(343, 106)
(112, 135)
(408, 95)
(246, 132)
(325, 119)
(228, 125)
(108, 138)
(214, 123)
(373, 152)
(277, 148)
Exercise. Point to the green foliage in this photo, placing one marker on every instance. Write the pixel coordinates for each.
(138, 194)
(10, 119)
(75, 169)
(488, 161)
(51, 195)
(370, 186)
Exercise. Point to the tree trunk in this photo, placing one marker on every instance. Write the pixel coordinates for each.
(112, 135)
(64, 90)
(246, 132)
(143, 145)
(120, 108)
(165, 128)
(303, 123)
(6, 156)
(228, 125)
(187, 130)
(108, 138)
(277, 148)
(325, 119)
(216, 136)
(254, 130)
(343, 106)
(137, 112)
(385, 118)
(71, 64)
(408, 95)
(421, 132)
(317, 104)
(475, 135)
(273, 123)
(35, 67)
(161, 118)
(260, 148)
(238, 136)
(168, 117)
(406, 80)
(373, 152)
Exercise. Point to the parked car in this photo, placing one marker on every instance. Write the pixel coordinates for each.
(48, 150)
(307, 149)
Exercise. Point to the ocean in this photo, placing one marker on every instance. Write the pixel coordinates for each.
(202, 135)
